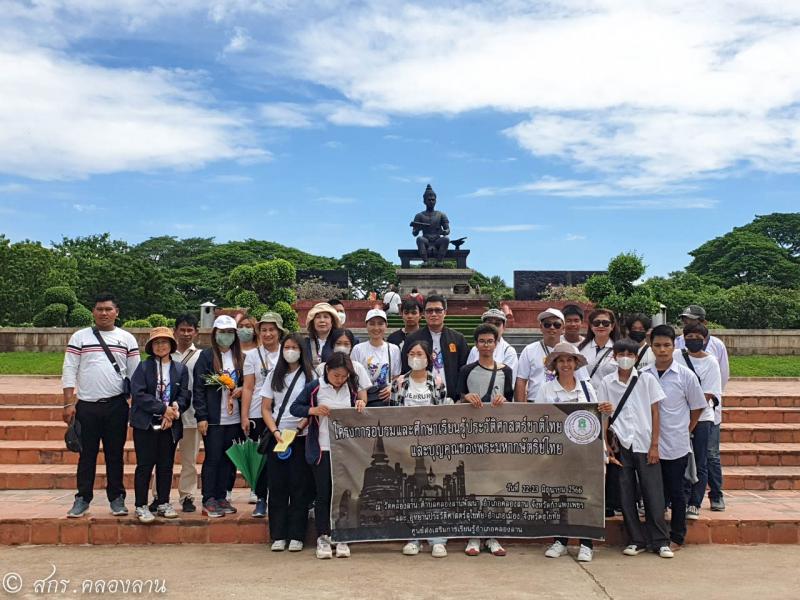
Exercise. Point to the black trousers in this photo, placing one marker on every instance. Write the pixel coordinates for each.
(153, 449)
(672, 472)
(257, 429)
(289, 489)
(217, 466)
(584, 541)
(612, 488)
(322, 503)
(105, 421)
(654, 534)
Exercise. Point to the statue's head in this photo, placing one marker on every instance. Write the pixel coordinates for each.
(431, 476)
(429, 197)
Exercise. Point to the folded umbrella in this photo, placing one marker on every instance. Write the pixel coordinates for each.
(245, 456)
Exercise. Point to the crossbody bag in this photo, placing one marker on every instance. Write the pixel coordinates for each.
(267, 441)
(613, 441)
(126, 383)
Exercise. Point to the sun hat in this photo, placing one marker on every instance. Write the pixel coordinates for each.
(160, 333)
(550, 312)
(376, 312)
(323, 307)
(225, 322)
(565, 349)
(275, 319)
(693, 311)
(494, 313)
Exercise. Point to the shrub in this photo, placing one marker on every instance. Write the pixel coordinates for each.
(282, 294)
(137, 323)
(80, 316)
(157, 320)
(52, 315)
(246, 299)
(60, 294)
(288, 315)
(315, 288)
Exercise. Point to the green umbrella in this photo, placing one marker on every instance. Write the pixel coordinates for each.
(247, 459)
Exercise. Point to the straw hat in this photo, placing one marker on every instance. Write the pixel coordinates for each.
(323, 307)
(565, 349)
(160, 333)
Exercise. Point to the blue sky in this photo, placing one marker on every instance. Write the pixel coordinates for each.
(556, 134)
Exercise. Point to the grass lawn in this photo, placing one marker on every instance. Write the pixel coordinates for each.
(49, 363)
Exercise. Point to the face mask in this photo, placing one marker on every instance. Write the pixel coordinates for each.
(342, 349)
(637, 336)
(245, 334)
(224, 339)
(291, 356)
(626, 362)
(342, 318)
(417, 363)
(694, 345)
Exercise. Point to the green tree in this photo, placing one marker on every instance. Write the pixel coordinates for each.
(618, 291)
(368, 271)
(782, 228)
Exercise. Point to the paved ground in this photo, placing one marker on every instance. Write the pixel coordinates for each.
(379, 571)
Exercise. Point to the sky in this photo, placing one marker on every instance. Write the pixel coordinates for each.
(556, 134)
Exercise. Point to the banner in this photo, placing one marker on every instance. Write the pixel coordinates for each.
(514, 471)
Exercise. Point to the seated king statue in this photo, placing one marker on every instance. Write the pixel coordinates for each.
(434, 227)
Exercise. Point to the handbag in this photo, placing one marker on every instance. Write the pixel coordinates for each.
(72, 437)
(126, 383)
(267, 441)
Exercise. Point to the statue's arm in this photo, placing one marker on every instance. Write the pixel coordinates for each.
(445, 225)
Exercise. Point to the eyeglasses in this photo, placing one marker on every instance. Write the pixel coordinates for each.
(551, 324)
(486, 342)
(603, 323)
(434, 311)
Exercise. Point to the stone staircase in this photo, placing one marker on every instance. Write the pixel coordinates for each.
(760, 453)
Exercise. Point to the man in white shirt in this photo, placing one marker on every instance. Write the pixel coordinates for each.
(531, 372)
(503, 351)
(679, 411)
(100, 405)
(573, 320)
(636, 427)
(391, 301)
(715, 347)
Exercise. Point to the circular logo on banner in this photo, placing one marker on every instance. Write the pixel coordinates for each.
(582, 427)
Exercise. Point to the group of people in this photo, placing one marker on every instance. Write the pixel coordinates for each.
(662, 395)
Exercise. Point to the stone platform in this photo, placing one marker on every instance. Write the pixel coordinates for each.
(450, 283)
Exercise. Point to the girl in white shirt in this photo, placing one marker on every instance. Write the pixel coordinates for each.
(597, 346)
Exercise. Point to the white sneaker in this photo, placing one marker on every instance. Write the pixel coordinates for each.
(342, 551)
(324, 547)
(144, 515)
(556, 550)
(439, 551)
(278, 546)
(253, 498)
(473, 547)
(166, 511)
(665, 552)
(411, 549)
(585, 554)
(228, 495)
(692, 513)
(295, 546)
(493, 546)
(633, 550)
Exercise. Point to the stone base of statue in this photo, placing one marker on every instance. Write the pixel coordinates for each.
(450, 283)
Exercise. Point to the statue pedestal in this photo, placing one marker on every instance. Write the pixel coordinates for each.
(450, 283)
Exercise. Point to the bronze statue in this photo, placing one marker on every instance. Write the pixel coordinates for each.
(434, 226)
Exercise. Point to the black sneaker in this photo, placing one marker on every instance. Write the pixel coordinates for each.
(188, 505)
(153, 506)
(226, 507)
(118, 508)
(211, 509)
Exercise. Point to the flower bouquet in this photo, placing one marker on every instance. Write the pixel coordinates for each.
(223, 381)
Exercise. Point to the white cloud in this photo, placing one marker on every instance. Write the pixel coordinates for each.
(412, 178)
(333, 145)
(84, 208)
(239, 42)
(336, 199)
(230, 179)
(574, 237)
(651, 204)
(505, 228)
(63, 119)
(13, 188)
(550, 186)
(285, 114)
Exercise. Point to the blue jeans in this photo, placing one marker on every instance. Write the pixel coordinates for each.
(714, 465)
(700, 436)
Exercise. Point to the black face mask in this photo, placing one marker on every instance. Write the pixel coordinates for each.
(637, 336)
(694, 345)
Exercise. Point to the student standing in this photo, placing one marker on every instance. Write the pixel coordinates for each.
(258, 362)
(320, 321)
(503, 351)
(218, 412)
(637, 326)
(573, 319)
(485, 382)
(391, 301)
(338, 388)
(635, 424)
(381, 359)
(159, 395)
(290, 479)
(679, 411)
(411, 313)
(531, 373)
(344, 341)
(98, 362)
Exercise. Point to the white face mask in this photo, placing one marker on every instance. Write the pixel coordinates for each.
(343, 349)
(417, 363)
(342, 318)
(291, 356)
(626, 362)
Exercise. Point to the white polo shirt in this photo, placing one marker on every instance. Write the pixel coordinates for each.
(552, 392)
(682, 394)
(634, 424)
(531, 367)
(503, 353)
(710, 381)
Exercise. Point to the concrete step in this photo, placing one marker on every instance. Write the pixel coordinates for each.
(759, 455)
(32, 399)
(760, 432)
(761, 478)
(21, 412)
(737, 401)
(38, 452)
(62, 477)
(761, 415)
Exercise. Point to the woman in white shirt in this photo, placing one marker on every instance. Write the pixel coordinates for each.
(381, 359)
(598, 344)
(290, 478)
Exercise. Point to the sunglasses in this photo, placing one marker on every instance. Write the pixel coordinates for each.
(434, 311)
(551, 324)
(602, 323)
